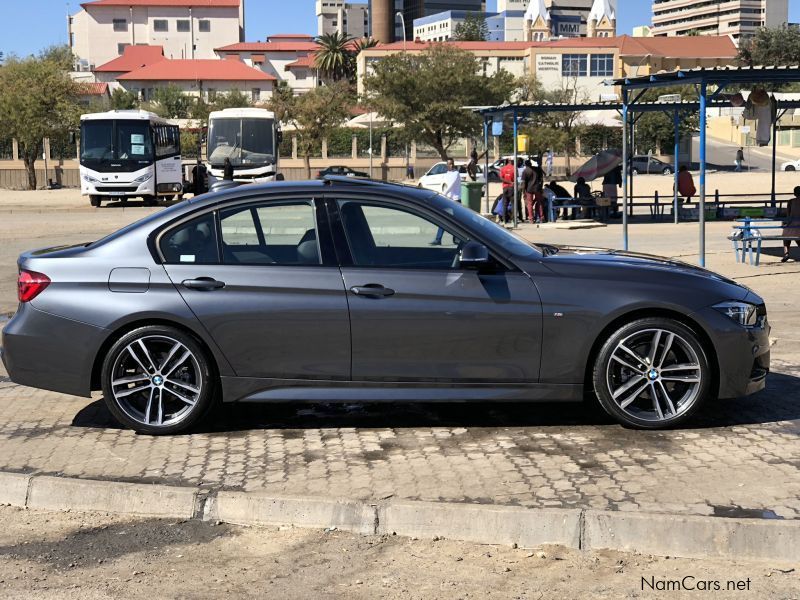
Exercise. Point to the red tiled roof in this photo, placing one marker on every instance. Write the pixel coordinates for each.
(93, 89)
(133, 57)
(669, 47)
(290, 36)
(262, 47)
(197, 70)
(304, 62)
(177, 3)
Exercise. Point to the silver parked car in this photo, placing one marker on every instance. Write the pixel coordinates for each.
(331, 291)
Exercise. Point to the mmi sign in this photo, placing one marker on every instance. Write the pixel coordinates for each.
(567, 26)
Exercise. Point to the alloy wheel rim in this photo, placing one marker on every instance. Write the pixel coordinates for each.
(156, 381)
(654, 375)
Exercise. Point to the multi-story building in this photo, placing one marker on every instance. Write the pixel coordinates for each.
(386, 27)
(581, 62)
(185, 29)
(736, 18)
(549, 19)
(342, 17)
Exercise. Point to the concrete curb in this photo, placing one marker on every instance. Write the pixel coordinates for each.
(651, 533)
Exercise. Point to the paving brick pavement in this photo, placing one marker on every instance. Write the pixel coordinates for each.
(739, 458)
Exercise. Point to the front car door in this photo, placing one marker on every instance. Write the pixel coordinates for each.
(416, 315)
(261, 277)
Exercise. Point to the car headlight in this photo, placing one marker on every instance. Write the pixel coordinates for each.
(143, 178)
(742, 312)
(90, 179)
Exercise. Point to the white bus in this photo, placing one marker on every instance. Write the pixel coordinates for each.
(249, 138)
(129, 154)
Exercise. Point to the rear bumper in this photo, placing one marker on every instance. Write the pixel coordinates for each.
(743, 354)
(53, 353)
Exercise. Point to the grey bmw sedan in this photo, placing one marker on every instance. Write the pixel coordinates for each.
(352, 290)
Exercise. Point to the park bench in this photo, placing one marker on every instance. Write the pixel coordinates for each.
(751, 236)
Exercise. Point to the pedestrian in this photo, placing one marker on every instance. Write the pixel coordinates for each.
(686, 184)
(409, 171)
(529, 176)
(739, 159)
(199, 178)
(549, 163)
(452, 191)
(227, 170)
(472, 165)
(520, 190)
(507, 175)
(560, 195)
(538, 191)
(791, 227)
(611, 181)
(583, 195)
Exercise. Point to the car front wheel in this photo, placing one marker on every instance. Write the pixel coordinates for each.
(789, 168)
(652, 373)
(158, 380)
(667, 171)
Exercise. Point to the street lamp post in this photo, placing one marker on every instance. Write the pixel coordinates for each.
(403, 22)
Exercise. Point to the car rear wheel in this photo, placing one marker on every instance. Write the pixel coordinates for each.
(158, 380)
(667, 171)
(652, 374)
(790, 168)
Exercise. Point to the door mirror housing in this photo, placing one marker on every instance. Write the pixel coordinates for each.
(474, 255)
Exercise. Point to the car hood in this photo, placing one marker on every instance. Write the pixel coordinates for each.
(619, 259)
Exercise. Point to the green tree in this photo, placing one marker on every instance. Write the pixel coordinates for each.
(61, 55)
(426, 94)
(37, 100)
(171, 103)
(472, 29)
(124, 100)
(333, 57)
(314, 115)
(232, 99)
(656, 130)
(778, 47)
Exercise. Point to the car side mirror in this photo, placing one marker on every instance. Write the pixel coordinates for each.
(473, 255)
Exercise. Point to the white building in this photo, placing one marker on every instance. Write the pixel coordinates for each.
(342, 17)
(186, 29)
(737, 18)
(439, 27)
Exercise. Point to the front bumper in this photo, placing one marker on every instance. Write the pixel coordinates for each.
(49, 352)
(743, 354)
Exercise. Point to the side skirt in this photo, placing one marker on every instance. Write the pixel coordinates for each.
(244, 389)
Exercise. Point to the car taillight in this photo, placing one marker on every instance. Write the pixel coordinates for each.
(30, 284)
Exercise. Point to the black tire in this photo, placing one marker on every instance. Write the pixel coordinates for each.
(95, 201)
(667, 171)
(790, 168)
(132, 410)
(635, 171)
(683, 344)
(150, 200)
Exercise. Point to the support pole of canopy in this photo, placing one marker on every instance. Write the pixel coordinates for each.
(625, 164)
(677, 122)
(702, 216)
(486, 167)
(516, 179)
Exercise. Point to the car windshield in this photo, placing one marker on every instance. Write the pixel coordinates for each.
(246, 142)
(488, 229)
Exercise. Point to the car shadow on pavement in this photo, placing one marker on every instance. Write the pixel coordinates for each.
(779, 402)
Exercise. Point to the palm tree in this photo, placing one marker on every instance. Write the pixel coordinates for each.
(333, 55)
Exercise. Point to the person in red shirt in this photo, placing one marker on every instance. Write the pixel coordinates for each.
(507, 175)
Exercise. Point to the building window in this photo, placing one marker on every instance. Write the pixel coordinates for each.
(573, 65)
(255, 95)
(121, 48)
(204, 25)
(602, 65)
(183, 25)
(160, 25)
(120, 25)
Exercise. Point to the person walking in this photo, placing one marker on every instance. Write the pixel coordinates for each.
(791, 227)
(452, 191)
(227, 170)
(549, 163)
(739, 159)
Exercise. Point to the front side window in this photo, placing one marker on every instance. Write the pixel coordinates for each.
(271, 234)
(438, 169)
(384, 236)
(183, 25)
(194, 242)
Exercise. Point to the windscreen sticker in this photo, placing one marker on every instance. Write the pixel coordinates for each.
(137, 150)
(187, 258)
(137, 138)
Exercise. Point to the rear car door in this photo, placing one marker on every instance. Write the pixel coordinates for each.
(416, 315)
(263, 281)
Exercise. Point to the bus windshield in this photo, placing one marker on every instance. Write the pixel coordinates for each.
(246, 142)
(116, 144)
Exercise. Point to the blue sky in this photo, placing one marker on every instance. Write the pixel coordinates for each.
(35, 24)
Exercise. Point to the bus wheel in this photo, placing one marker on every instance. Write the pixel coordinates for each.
(150, 201)
(94, 201)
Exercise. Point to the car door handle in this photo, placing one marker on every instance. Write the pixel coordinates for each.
(203, 284)
(372, 290)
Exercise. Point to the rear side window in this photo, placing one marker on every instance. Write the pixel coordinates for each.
(194, 242)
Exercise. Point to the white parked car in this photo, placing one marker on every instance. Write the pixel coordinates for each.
(792, 165)
(434, 178)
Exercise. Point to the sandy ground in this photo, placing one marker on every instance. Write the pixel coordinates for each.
(47, 555)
